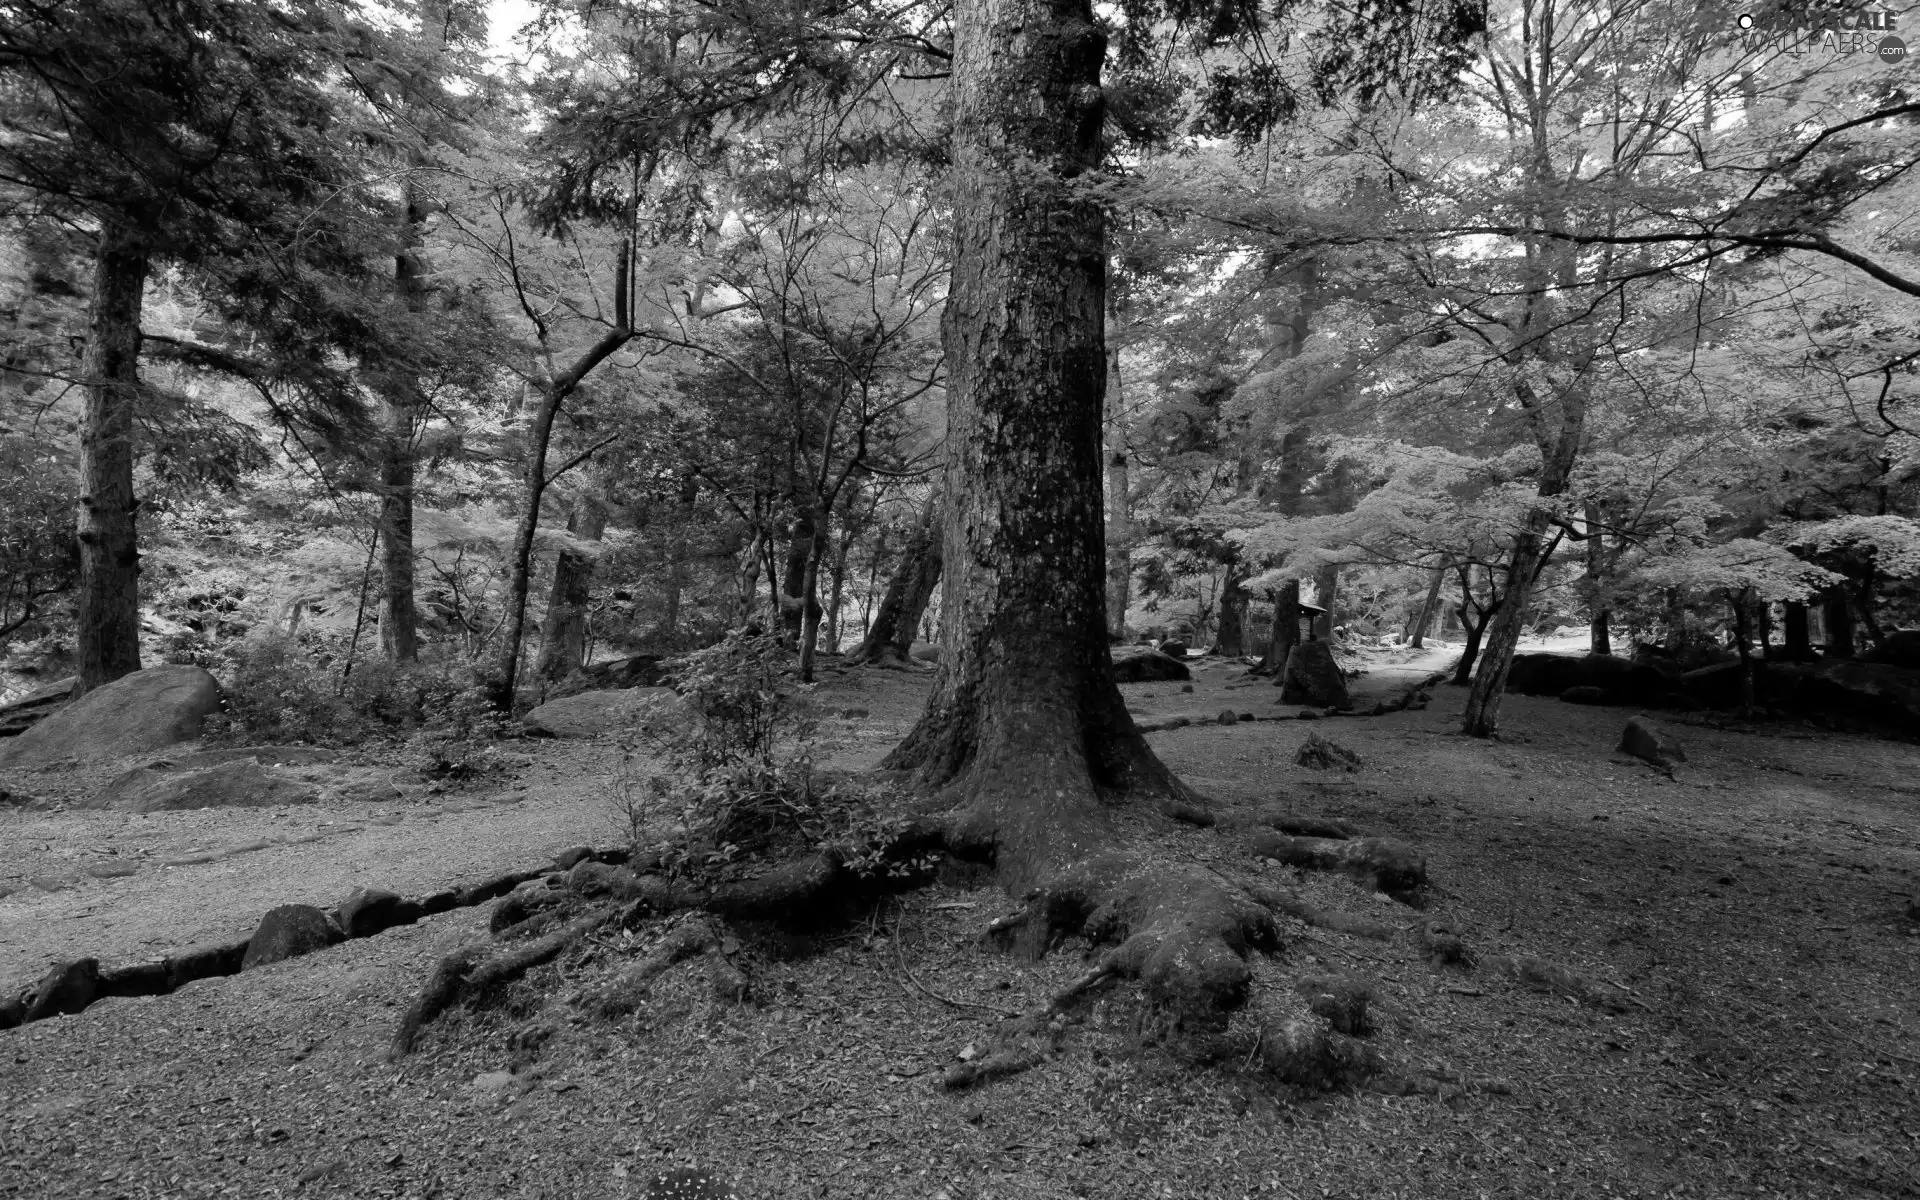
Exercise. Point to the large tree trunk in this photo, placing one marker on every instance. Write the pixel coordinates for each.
(1599, 635)
(1503, 638)
(563, 646)
(1326, 594)
(837, 589)
(1026, 727)
(1232, 641)
(889, 639)
(1286, 631)
(1119, 509)
(793, 598)
(399, 622)
(1798, 645)
(399, 626)
(809, 585)
(1419, 638)
(1838, 618)
(107, 617)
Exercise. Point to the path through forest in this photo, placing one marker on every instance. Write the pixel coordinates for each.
(1770, 1044)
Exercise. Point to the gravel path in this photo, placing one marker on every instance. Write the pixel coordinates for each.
(128, 888)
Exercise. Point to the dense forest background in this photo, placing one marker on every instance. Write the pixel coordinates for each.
(358, 351)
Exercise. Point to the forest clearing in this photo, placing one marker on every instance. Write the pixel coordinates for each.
(718, 600)
(1754, 1036)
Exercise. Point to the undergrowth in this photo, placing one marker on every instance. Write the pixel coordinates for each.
(729, 770)
(278, 693)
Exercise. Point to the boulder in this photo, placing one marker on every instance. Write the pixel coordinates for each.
(1312, 677)
(67, 989)
(13, 1011)
(616, 674)
(204, 962)
(1553, 674)
(136, 713)
(1589, 695)
(1871, 691)
(1174, 648)
(242, 783)
(367, 911)
(589, 713)
(18, 716)
(1650, 743)
(1900, 649)
(1144, 664)
(288, 932)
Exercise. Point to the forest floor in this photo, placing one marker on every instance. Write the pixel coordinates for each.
(1748, 913)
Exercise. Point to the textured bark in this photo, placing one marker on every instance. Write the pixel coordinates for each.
(563, 645)
(1427, 610)
(1798, 641)
(1286, 630)
(107, 617)
(1119, 509)
(890, 637)
(1233, 614)
(1837, 616)
(1326, 594)
(795, 597)
(1025, 724)
(836, 592)
(809, 589)
(399, 621)
(1599, 635)
(1559, 441)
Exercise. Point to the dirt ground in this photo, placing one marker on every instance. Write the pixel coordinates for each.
(1748, 915)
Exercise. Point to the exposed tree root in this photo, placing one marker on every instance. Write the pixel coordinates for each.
(1442, 942)
(1182, 931)
(1019, 1046)
(1312, 1055)
(468, 973)
(691, 939)
(1298, 908)
(1389, 865)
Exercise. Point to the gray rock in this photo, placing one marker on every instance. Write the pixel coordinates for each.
(144, 711)
(1312, 677)
(1228, 717)
(1650, 743)
(18, 716)
(13, 1011)
(1587, 694)
(1898, 649)
(493, 1081)
(367, 911)
(67, 989)
(1174, 648)
(204, 962)
(288, 932)
(241, 783)
(590, 713)
(1144, 664)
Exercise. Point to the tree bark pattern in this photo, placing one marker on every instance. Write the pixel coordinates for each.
(1025, 723)
(108, 598)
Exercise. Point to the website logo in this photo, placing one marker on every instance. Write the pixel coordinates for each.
(1863, 31)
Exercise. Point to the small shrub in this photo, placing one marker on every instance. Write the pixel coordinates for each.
(277, 692)
(739, 776)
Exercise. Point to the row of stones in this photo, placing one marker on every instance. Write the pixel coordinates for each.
(285, 932)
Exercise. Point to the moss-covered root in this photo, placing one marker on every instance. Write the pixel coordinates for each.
(1388, 865)
(693, 938)
(471, 972)
(1182, 931)
(1288, 904)
(1311, 1054)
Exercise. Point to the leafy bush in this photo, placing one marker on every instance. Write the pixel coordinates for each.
(276, 692)
(739, 776)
